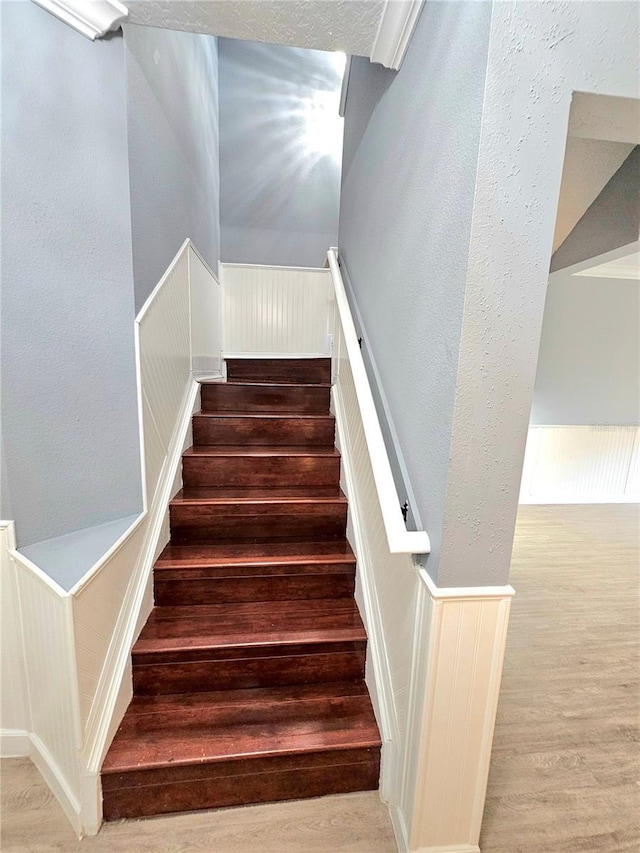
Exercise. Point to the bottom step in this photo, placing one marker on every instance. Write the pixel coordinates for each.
(206, 750)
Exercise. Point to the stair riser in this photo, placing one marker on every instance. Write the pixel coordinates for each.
(299, 432)
(265, 588)
(258, 522)
(198, 676)
(257, 471)
(240, 783)
(225, 397)
(314, 371)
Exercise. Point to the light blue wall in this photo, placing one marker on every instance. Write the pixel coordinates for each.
(589, 361)
(69, 407)
(411, 144)
(172, 91)
(279, 201)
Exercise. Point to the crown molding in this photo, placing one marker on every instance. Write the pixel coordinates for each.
(397, 23)
(92, 18)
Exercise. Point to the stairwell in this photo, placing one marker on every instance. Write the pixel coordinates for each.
(249, 674)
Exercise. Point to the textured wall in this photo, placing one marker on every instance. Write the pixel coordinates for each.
(69, 407)
(611, 221)
(279, 192)
(540, 53)
(449, 262)
(347, 25)
(172, 96)
(411, 145)
(589, 361)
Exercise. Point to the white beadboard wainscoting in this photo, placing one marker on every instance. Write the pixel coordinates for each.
(77, 644)
(275, 311)
(435, 655)
(581, 464)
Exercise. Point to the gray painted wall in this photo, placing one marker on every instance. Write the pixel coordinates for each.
(447, 228)
(411, 146)
(69, 408)
(279, 201)
(589, 361)
(611, 221)
(172, 96)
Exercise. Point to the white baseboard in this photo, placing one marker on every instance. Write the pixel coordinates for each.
(54, 778)
(14, 743)
(399, 828)
(227, 355)
(455, 848)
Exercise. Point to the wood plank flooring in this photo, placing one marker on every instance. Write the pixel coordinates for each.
(565, 770)
(565, 767)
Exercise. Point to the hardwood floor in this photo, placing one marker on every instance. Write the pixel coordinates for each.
(565, 769)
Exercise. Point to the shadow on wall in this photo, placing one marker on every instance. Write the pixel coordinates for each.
(280, 152)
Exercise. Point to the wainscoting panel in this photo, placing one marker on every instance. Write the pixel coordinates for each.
(458, 667)
(275, 310)
(15, 721)
(206, 317)
(581, 464)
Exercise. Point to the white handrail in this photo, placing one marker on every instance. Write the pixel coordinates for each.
(399, 539)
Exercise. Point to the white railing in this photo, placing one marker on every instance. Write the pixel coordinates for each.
(347, 352)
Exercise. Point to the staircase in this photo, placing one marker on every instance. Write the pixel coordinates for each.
(248, 676)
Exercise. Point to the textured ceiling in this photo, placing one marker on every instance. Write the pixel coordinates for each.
(347, 25)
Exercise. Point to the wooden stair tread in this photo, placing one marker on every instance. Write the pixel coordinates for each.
(259, 450)
(174, 730)
(281, 414)
(250, 625)
(239, 494)
(258, 555)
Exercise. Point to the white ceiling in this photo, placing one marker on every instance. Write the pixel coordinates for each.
(347, 25)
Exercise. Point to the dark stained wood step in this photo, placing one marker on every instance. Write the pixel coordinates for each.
(230, 465)
(258, 397)
(311, 371)
(251, 430)
(258, 514)
(257, 644)
(182, 752)
(211, 574)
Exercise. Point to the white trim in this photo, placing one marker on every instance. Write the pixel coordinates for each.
(53, 776)
(14, 743)
(224, 265)
(397, 23)
(452, 848)
(461, 593)
(399, 539)
(278, 355)
(156, 290)
(399, 828)
(92, 18)
(108, 555)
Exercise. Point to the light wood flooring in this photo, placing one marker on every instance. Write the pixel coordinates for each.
(565, 774)
(565, 770)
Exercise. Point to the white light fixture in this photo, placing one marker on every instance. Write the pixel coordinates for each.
(322, 125)
(92, 18)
